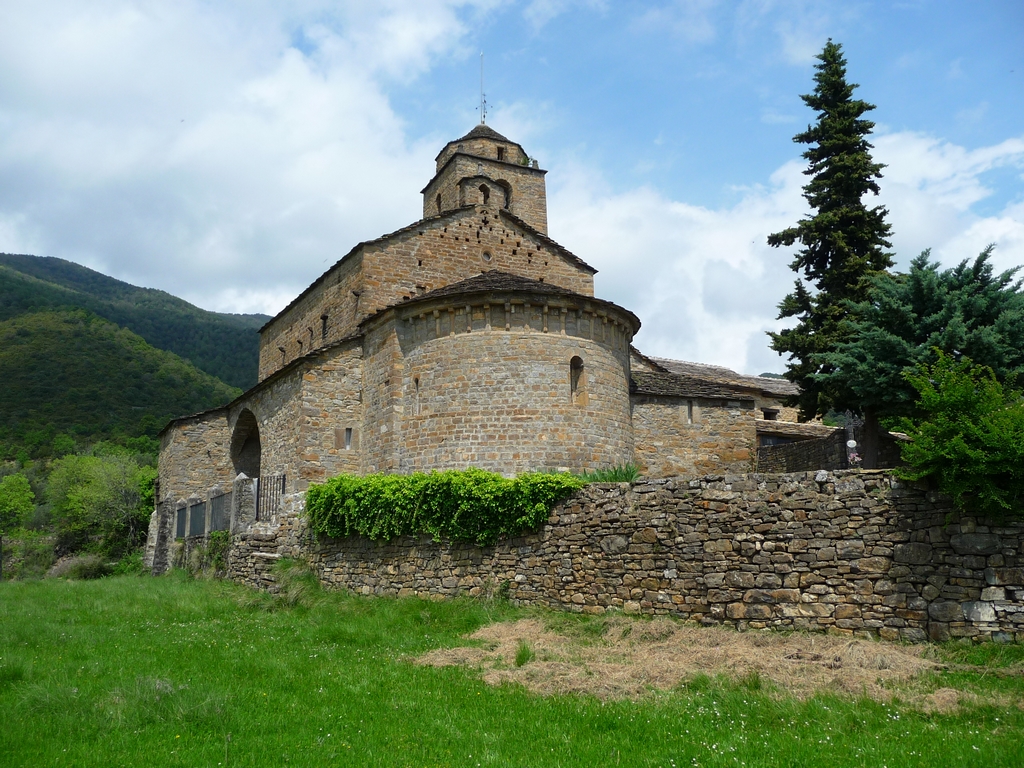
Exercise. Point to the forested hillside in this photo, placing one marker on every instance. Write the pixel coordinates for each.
(223, 345)
(69, 372)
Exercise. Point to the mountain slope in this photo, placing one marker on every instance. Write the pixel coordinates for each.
(71, 371)
(224, 345)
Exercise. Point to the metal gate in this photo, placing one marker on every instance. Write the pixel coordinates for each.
(269, 490)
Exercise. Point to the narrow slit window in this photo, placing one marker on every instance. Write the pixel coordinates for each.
(438, 201)
(576, 380)
(689, 411)
(416, 402)
(501, 153)
(348, 438)
(323, 327)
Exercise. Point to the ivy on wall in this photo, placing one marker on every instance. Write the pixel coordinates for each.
(462, 505)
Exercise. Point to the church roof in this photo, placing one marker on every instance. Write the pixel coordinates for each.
(681, 385)
(484, 132)
(496, 281)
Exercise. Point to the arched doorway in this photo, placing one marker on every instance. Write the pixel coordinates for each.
(245, 445)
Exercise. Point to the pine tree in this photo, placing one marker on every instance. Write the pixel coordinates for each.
(911, 320)
(843, 243)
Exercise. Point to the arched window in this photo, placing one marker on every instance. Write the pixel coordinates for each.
(245, 445)
(486, 192)
(439, 203)
(507, 189)
(577, 381)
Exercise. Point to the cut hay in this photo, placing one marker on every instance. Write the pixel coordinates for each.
(631, 658)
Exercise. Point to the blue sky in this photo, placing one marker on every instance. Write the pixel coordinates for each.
(228, 152)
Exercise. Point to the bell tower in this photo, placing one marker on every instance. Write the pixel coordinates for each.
(485, 168)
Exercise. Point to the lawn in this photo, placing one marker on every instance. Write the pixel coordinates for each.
(130, 671)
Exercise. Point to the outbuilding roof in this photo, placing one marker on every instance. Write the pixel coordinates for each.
(719, 374)
(681, 385)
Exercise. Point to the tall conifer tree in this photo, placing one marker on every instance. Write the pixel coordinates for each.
(843, 241)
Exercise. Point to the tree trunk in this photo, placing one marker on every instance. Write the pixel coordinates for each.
(869, 440)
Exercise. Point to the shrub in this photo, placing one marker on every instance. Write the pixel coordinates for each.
(81, 567)
(624, 473)
(462, 505)
(129, 565)
(28, 555)
(210, 557)
(971, 439)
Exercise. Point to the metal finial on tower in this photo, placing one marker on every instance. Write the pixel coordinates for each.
(483, 98)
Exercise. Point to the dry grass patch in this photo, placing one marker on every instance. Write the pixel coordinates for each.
(619, 657)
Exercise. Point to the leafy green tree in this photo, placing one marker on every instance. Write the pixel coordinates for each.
(843, 242)
(16, 504)
(967, 311)
(970, 440)
(100, 502)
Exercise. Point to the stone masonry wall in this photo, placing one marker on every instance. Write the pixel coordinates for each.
(677, 436)
(331, 403)
(329, 312)
(194, 456)
(432, 254)
(804, 455)
(449, 386)
(850, 552)
(457, 185)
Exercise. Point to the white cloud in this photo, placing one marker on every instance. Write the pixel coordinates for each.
(540, 12)
(688, 20)
(703, 282)
(192, 147)
(931, 187)
(706, 285)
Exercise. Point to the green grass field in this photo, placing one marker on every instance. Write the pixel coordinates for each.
(164, 672)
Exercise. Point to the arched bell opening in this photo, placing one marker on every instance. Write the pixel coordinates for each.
(245, 445)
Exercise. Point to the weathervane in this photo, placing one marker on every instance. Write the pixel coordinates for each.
(483, 98)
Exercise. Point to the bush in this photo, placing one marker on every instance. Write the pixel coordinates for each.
(27, 555)
(210, 557)
(971, 439)
(81, 567)
(624, 473)
(468, 505)
(129, 565)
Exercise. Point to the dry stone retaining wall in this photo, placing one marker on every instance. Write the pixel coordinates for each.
(852, 552)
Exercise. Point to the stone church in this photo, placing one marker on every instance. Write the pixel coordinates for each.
(468, 338)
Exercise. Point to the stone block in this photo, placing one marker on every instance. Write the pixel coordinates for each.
(993, 593)
(979, 611)
(739, 579)
(849, 549)
(786, 595)
(847, 612)
(913, 553)
(1004, 576)
(938, 632)
(871, 565)
(748, 611)
(614, 545)
(975, 543)
(714, 580)
(945, 611)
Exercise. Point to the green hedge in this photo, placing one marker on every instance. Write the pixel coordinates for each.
(467, 505)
